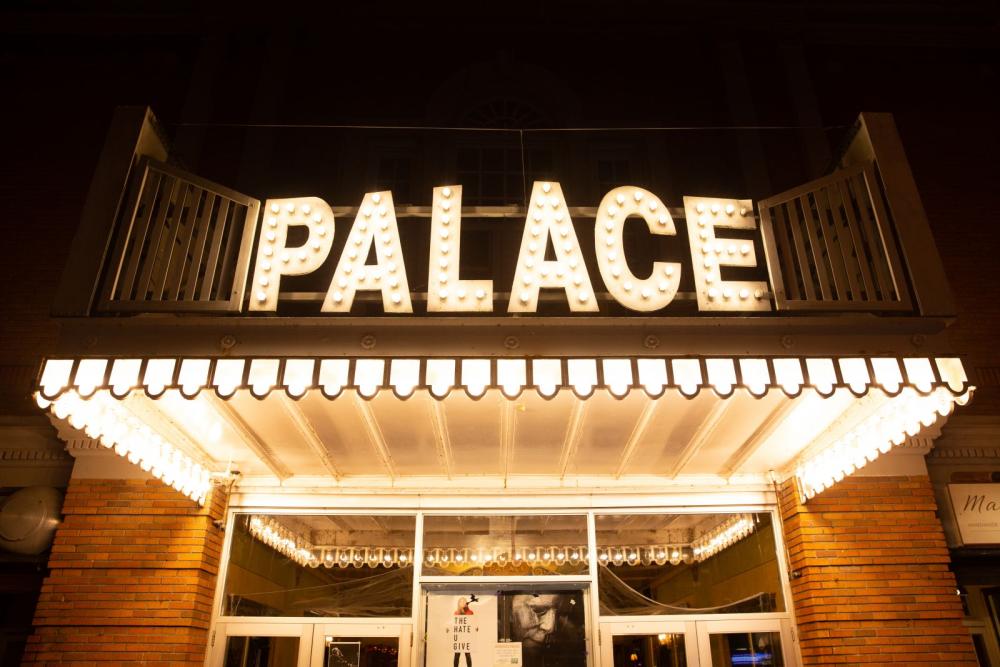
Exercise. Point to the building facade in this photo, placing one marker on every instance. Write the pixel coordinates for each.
(498, 389)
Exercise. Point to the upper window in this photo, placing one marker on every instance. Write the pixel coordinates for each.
(505, 545)
(320, 565)
(652, 564)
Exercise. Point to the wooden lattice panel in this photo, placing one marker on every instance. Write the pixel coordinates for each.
(183, 244)
(830, 246)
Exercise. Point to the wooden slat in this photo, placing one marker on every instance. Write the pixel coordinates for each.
(835, 232)
(875, 241)
(212, 265)
(774, 271)
(234, 232)
(896, 268)
(786, 256)
(161, 274)
(800, 250)
(116, 263)
(156, 234)
(176, 278)
(194, 272)
(859, 242)
(817, 250)
(243, 264)
(137, 236)
(843, 240)
(833, 255)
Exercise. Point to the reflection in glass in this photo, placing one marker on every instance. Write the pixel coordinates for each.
(361, 652)
(505, 545)
(660, 650)
(320, 565)
(746, 648)
(652, 564)
(262, 651)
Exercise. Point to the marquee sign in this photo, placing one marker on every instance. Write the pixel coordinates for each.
(547, 225)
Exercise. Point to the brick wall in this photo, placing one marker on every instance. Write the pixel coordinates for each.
(133, 571)
(870, 580)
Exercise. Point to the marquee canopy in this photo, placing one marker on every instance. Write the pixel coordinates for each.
(501, 422)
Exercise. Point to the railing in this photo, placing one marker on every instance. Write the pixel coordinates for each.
(183, 244)
(830, 246)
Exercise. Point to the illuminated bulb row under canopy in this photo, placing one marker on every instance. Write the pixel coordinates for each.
(731, 531)
(458, 557)
(276, 259)
(710, 253)
(548, 222)
(647, 294)
(104, 419)
(446, 292)
(300, 550)
(900, 417)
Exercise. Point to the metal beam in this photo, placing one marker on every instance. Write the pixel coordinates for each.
(702, 435)
(308, 433)
(574, 431)
(442, 439)
(760, 435)
(375, 436)
(149, 412)
(638, 431)
(508, 425)
(252, 441)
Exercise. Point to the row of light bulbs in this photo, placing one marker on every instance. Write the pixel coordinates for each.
(300, 550)
(901, 417)
(103, 419)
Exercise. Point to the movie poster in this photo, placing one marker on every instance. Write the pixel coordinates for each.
(461, 630)
(549, 626)
(509, 629)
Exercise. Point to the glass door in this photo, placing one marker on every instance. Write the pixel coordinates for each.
(361, 645)
(261, 645)
(649, 644)
(697, 643)
(762, 642)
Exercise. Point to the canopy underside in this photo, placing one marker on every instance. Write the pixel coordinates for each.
(356, 421)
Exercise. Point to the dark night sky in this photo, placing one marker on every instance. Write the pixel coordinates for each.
(65, 66)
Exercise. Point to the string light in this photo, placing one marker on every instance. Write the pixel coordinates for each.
(297, 548)
(901, 416)
(105, 419)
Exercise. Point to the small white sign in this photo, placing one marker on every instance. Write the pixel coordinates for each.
(507, 654)
(977, 512)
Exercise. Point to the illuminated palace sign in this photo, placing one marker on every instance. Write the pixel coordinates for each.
(547, 224)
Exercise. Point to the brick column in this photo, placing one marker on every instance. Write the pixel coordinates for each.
(870, 577)
(133, 571)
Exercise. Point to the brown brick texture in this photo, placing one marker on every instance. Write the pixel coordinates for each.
(132, 577)
(870, 577)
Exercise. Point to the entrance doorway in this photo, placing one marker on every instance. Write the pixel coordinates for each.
(693, 642)
(334, 644)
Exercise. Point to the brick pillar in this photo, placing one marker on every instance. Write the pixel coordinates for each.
(870, 577)
(133, 571)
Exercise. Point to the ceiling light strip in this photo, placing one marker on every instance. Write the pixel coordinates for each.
(902, 416)
(109, 422)
(512, 376)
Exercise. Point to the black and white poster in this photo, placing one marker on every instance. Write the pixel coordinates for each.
(549, 626)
